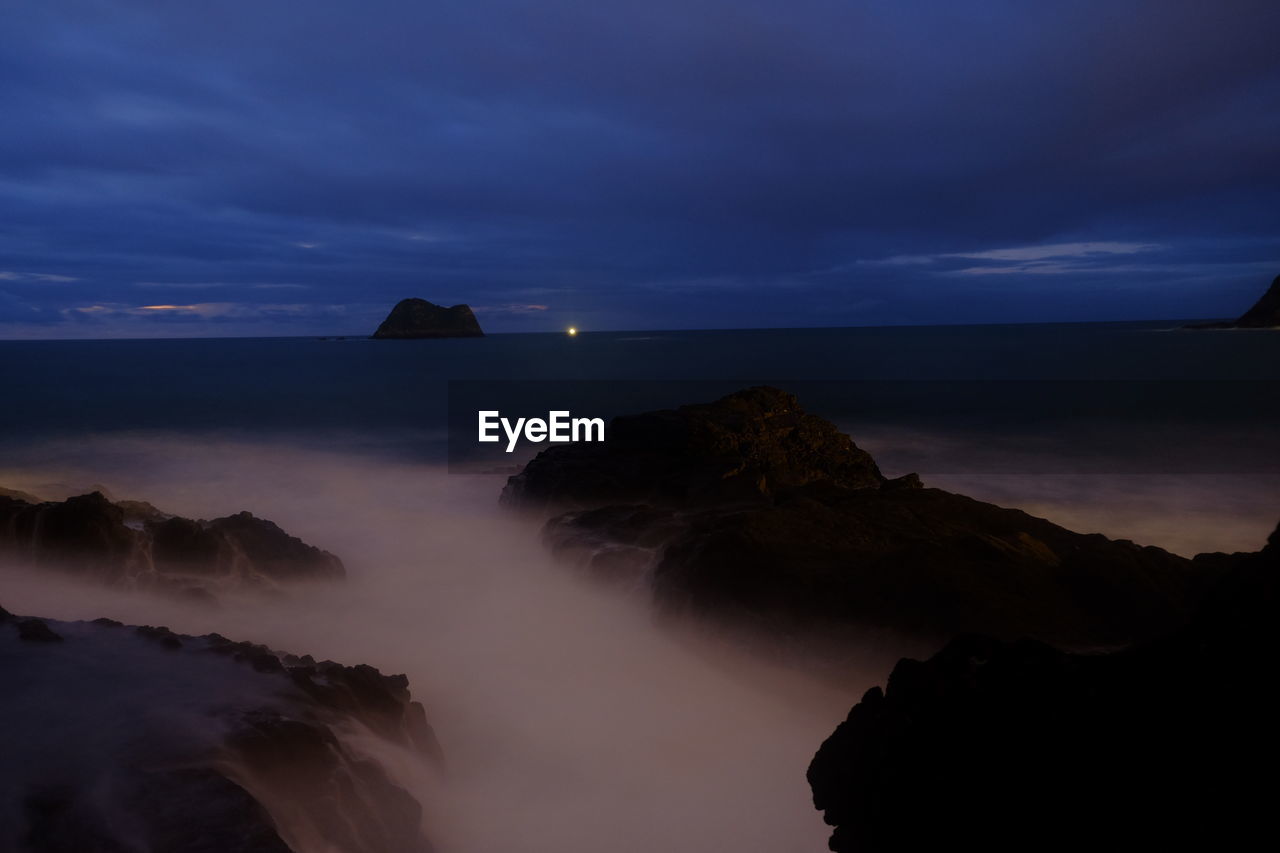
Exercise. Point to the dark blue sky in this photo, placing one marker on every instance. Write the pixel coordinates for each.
(239, 168)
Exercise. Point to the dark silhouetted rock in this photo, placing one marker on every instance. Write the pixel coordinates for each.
(131, 543)
(270, 551)
(86, 534)
(239, 545)
(747, 447)
(161, 635)
(418, 318)
(1265, 314)
(751, 509)
(184, 545)
(925, 562)
(37, 631)
(215, 814)
(1004, 746)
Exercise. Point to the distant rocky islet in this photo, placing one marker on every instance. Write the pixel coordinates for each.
(417, 318)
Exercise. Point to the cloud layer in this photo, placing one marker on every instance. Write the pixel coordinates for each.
(634, 165)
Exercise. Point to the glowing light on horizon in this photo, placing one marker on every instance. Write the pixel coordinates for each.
(572, 331)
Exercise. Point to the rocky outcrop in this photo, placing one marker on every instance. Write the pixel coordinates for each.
(1013, 746)
(198, 743)
(751, 509)
(418, 318)
(1265, 314)
(239, 545)
(131, 543)
(86, 534)
(745, 448)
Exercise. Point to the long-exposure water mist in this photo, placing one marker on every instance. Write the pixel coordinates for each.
(568, 718)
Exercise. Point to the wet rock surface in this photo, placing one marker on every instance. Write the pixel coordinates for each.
(195, 744)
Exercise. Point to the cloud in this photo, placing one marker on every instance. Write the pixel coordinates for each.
(1040, 259)
(208, 285)
(895, 261)
(10, 275)
(1059, 250)
(218, 311)
(511, 308)
(1018, 269)
(644, 157)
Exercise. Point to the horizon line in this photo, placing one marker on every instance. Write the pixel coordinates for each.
(583, 332)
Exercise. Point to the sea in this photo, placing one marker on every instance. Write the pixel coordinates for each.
(571, 718)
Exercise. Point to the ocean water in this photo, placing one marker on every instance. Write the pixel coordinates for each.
(1138, 430)
(1109, 399)
(259, 384)
(571, 719)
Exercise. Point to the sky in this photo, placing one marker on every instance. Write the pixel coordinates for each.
(271, 168)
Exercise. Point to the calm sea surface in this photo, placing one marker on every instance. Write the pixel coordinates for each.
(1115, 396)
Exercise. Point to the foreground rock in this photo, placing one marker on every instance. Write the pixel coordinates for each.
(418, 318)
(131, 543)
(751, 509)
(743, 449)
(1265, 314)
(1015, 746)
(120, 739)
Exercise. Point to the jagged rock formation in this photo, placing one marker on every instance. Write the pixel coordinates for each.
(1265, 314)
(418, 318)
(120, 738)
(131, 543)
(752, 509)
(1013, 746)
